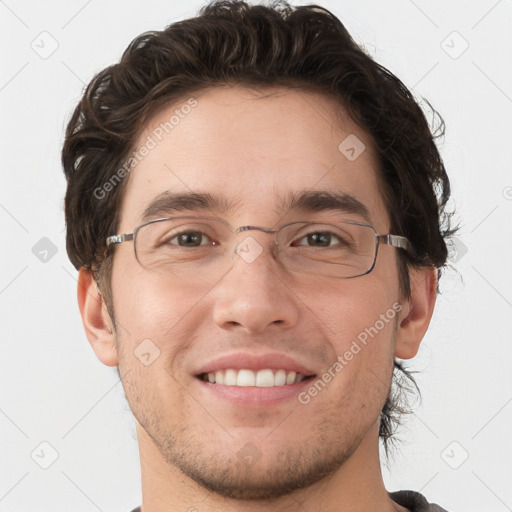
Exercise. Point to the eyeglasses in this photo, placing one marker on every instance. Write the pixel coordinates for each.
(206, 247)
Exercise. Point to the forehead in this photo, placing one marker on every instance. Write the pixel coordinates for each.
(254, 150)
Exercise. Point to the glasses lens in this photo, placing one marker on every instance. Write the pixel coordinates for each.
(183, 245)
(340, 249)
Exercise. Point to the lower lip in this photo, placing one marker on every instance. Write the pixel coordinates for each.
(253, 396)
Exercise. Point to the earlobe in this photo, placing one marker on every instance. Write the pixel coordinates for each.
(417, 312)
(95, 318)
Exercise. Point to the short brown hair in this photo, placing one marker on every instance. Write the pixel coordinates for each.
(234, 43)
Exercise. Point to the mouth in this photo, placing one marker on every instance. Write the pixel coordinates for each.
(253, 380)
(263, 378)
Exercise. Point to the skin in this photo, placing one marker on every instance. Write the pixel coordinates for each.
(255, 147)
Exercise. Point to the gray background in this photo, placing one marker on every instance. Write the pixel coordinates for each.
(456, 448)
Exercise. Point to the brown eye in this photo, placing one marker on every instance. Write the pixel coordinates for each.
(190, 239)
(319, 239)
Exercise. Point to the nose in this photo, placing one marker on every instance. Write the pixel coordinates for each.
(256, 293)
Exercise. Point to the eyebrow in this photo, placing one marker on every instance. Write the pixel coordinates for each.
(307, 201)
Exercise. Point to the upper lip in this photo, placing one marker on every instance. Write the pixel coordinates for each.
(244, 360)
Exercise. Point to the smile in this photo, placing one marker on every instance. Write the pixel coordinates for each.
(264, 378)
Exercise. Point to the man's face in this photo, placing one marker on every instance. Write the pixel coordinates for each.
(255, 151)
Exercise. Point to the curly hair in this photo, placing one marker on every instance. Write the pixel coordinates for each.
(234, 43)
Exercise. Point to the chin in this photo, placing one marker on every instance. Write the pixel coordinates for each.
(247, 474)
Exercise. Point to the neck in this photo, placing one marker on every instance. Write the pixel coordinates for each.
(356, 486)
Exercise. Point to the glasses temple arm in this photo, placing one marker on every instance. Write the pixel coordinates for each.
(396, 241)
(118, 239)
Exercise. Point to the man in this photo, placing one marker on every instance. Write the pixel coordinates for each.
(255, 208)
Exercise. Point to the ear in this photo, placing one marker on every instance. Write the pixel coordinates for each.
(417, 312)
(97, 322)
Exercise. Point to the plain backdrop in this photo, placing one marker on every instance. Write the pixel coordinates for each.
(67, 435)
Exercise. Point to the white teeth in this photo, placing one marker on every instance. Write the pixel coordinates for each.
(290, 378)
(262, 379)
(280, 378)
(230, 378)
(245, 378)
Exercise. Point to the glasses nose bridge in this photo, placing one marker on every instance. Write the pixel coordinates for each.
(255, 228)
(269, 231)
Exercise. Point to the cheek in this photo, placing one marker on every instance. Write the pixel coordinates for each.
(161, 320)
(154, 326)
(148, 305)
(355, 307)
(362, 372)
(361, 325)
